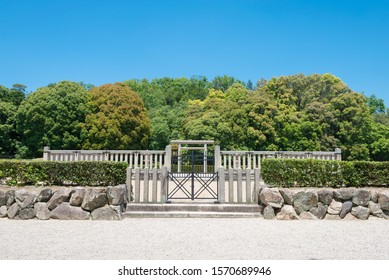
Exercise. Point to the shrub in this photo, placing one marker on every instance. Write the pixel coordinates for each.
(288, 173)
(83, 173)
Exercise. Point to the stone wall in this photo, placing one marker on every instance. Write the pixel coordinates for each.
(78, 203)
(328, 204)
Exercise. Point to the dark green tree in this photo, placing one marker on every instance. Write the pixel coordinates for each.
(51, 116)
(117, 119)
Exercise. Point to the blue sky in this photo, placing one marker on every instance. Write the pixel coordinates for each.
(100, 41)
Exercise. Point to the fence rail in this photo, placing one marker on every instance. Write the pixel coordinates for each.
(157, 159)
(135, 159)
(252, 159)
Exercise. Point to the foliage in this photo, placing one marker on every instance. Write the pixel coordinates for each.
(117, 119)
(51, 116)
(84, 173)
(288, 173)
(298, 112)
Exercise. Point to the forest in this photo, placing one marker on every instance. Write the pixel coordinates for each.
(299, 112)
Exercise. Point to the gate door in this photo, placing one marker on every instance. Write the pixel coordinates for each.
(192, 176)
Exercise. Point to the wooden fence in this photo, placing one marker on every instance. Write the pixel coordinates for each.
(233, 186)
(135, 159)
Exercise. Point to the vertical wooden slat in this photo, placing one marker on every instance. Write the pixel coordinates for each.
(164, 182)
(257, 180)
(137, 185)
(239, 184)
(248, 186)
(230, 185)
(221, 185)
(155, 185)
(146, 185)
(129, 183)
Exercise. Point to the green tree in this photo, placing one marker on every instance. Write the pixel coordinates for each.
(224, 82)
(51, 116)
(117, 119)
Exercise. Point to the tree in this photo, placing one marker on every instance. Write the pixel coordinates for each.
(117, 119)
(224, 82)
(51, 116)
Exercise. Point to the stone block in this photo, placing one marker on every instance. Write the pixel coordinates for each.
(65, 211)
(287, 213)
(383, 200)
(335, 207)
(25, 199)
(305, 201)
(107, 212)
(288, 195)
(60, 196)
(361, 212)
(346, 208)
(116, 194)
(94, 198)
(272, 197)
(27, 213)
(361, 197)
(325, 196)
(45, 195)
(13, 211)
(42, 211)
(268, 213)
(77, 196)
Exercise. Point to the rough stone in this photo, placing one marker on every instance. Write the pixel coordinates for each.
(3, 211)
(334, 208)
(13, 211)
(60, 196)
(288, 195)
(45, 195)
(42, 211)
(67, 212)
(320, 211)
(376, 210)
(374, 196)
(361, 212)
(272, 197)
(305, 201)
(308, 216)
(106, 213)
(10, 198)
(325, 196)
(27, 213)
(287, 213)
(3, 201)
(116, 194)
(94, 198)
(25, 199)
(383, 200)
(344, 194)
(349, 217)
(268, 213)
(77, 196)
(346, 208)
(361, 197)
(332, 217)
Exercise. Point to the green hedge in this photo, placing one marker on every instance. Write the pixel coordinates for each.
(321, 173)
(83, 173)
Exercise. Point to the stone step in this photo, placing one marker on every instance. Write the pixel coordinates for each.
(188, 214)
(192, 207)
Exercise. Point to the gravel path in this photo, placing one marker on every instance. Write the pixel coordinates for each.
(193, 239)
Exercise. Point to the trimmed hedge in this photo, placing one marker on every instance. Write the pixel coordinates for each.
(83, 173)
(288, 173)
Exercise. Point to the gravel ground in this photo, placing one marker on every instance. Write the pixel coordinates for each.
(193, 238)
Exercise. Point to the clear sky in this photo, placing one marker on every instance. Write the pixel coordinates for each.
(103, 41)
